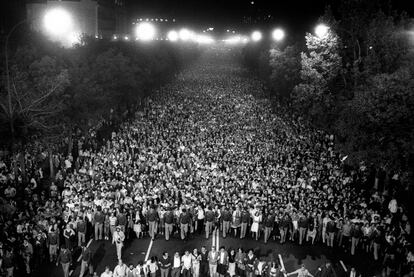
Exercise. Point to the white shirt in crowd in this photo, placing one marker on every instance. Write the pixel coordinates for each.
(120, 271)
(186, 261)
(177, 261)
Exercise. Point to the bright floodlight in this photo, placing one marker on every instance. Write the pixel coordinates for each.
(145, 31)
(172, 35)
(185, 34)
(58, 22)
(256, 36)
(278, 34)
(321, 30)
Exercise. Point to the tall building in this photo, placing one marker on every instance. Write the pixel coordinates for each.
(101, 18)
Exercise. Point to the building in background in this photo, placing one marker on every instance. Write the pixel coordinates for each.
(99, 18)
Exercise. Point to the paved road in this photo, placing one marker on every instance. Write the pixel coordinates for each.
(211, 65)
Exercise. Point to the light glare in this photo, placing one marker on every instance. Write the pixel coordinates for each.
(58, 22)
(321, 30)
(278, 34)
(172, 35)
(185, 34)
(145, 31)
(256, 36)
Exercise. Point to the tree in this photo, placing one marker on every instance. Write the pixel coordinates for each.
(320, 66)
(37, 96)
(285, 70)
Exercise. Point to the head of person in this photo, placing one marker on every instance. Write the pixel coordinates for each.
(213, 248)
(107, 269)
(165, 255)
(120, 262)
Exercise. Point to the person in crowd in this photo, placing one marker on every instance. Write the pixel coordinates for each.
(165, 264)
(232, 263)
(204, 263)
(209, 221)
(99, 219)
(240, 262)
(326, 270)
(152, 219)
(176, 265)
(213, 256)
(250, 262)
(120, 269)
(195, 261)
(222, 263)
(255, 230)
(186, 264)
(107, 272)
(118, 239)
(86, 261)
(152, 266)
(27, 253)
(184, 223)
(81, 230)
(65, 259)
(301, 272)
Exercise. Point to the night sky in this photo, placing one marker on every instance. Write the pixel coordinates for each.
(294, 15)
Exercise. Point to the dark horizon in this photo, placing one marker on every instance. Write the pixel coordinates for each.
(295, 16)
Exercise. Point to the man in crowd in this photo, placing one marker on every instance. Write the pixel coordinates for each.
(165, 264)
(86, 261)
(118, 238)
(169, 223)
(176, 265)
(65, 259)
(213, 257)
(120, 270)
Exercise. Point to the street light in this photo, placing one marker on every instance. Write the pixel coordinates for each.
(278, 34)
(58, 22)
(145, 31)
(172, 35)
(321, 30)
(185, 34)
(256, 36)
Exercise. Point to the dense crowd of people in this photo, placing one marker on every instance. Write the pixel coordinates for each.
(205, 154)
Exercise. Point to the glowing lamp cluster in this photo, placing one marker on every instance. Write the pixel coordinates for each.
(145, 31)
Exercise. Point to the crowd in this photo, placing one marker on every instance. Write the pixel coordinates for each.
(206, 153)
